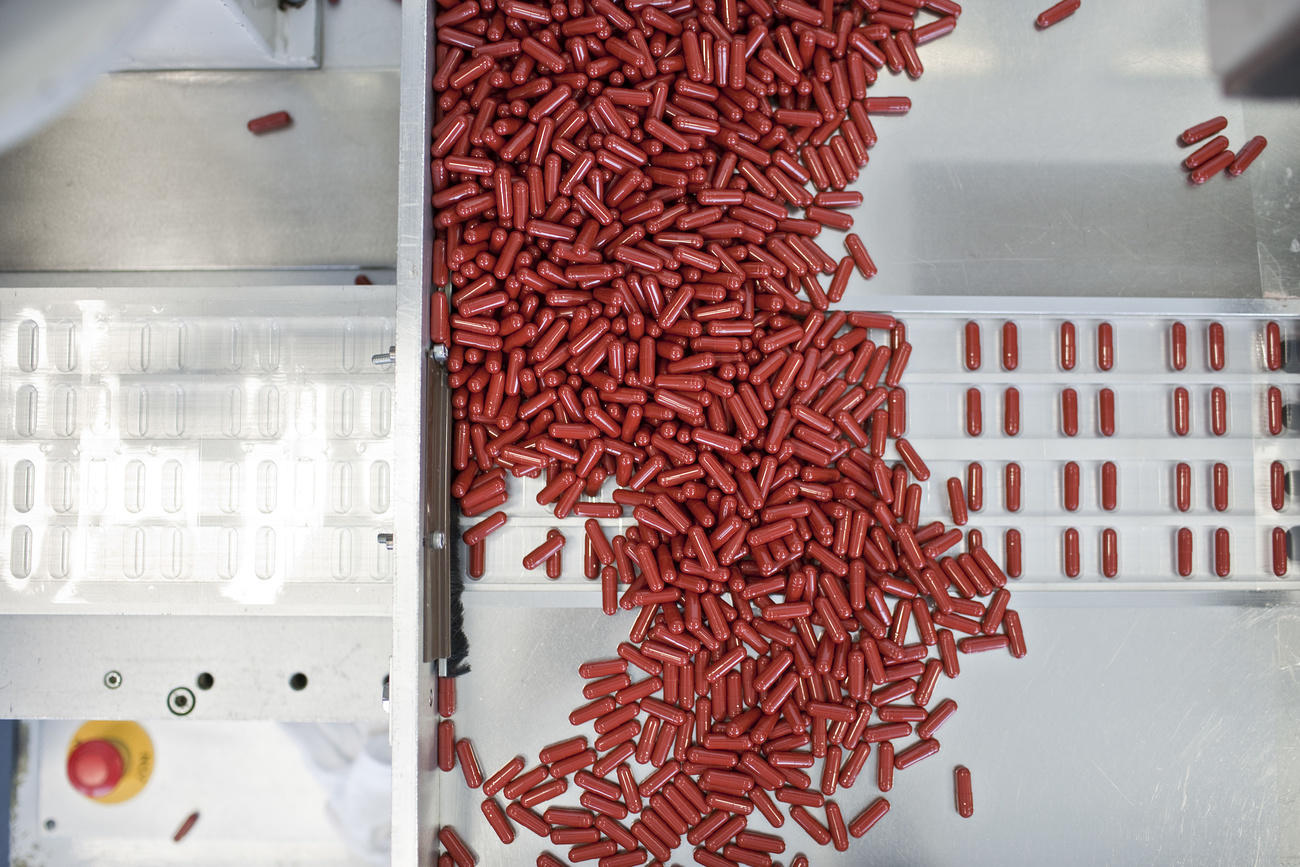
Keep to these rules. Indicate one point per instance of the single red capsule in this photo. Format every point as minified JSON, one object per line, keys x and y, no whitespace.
{"x":1109,"y":552}
{"x":1011,"y":489}
{"x":1218,"y":411}
{"x":1274,"y":410}
{"x":1068,"y":346}
{"x":1203,"y":130}
{"x":975,"y":486}
{"x":1071,"y":542}
{"x":974,"y":412}
{"x":1272,"y":346}
{"x":1070,"y":487}
{"x":972,"y":345}
{"x":1109,"y":486}
{"x":1215,"y":338}
{"x":964,"y":796}
{"x":1222,"y":552}
{"x":1178,"y":345}
{"x":1249,"y":151}
{"x":1279,"y":552}
{"x":1219,"y":476}
{"x":1011,"y":411}
{"x":1105,"y":346}
{"x":1013,"y":558}
{"x":1182,"y":411}
{"x":1183,"y":547}
{"x":1010,"y":346}
{"x":1277,"y":485}
{"x":1069,"y":412}
{"x":1182,"y":487}
{"x":1106,"y":412}
{"x":269,"y":122}
{"x":1056,"y":14}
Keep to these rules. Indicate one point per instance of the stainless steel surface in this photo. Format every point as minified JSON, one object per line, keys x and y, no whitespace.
{"x":55,"y":666}
{"x":228,"y":34}
{"x":1134,"y":732}
{"x":415,"y":798}
{"x":1045,"y":163}
{"x":157,"y":171}
{"x":437,"y":535}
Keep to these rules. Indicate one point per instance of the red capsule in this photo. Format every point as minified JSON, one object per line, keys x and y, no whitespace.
{"x":1182,"y":412}
{"x":468,"y":763}
{"x":915,"y":465}
{"x":956,"y":502}
{"x":1206,"y":152}
{"x":885,"y":757}
{"x":1279,"y":552}
{"x":1106,"y":412}
{"x":1272,"y":346}
{"x":1069,"y":412}
{"x":1249,"y":151}
{"x":1219,"y":163}
{"x":456,"y":847}
{"x":962,"y":788}
{"x":974,"y":412}
{"x":1105,"y":346}
{"x":1070,"y":487}
{"x":972,"y":334}
{"x":1219,"y":478}
{"x":1277,"y":485}
{"x":1011,"y":487}
{"x":975,"y":486}
{"x":1222,"y":553}
{"x":446,"y":745}
{"x":1274,"y":410}
{"x":1178,"y":345}
{"x":446,"y":697}
{"x":1013,"y":555}
{"x":1216,"y":346}
{"x":271,"y":122}
{"x":497,"y":819}
{"x":1011,"y":411}
{"x":1109,"y":553}
{"x":1109,"y":486}
{"x":1056,"y":14}
{"x":867,"y":819}
{"x":921,"y":749}
{"x":1068,"y":346}
{"x":1203,"y":130}
{"x":1183,"y":548}
{"x":1218,"y":411}
{"x":1010,"y":346}
{"x":1071,"y":543}
{"x":1182,"y":487}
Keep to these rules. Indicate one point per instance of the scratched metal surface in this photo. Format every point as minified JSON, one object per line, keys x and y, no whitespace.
{"x":1133,"y":733}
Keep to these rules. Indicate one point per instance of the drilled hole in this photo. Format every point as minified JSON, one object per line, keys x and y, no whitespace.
{"x":298,"y":681}
{"x":204,"y":681}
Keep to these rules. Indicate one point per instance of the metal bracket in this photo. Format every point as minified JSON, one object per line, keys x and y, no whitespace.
{"x":437,"y":513}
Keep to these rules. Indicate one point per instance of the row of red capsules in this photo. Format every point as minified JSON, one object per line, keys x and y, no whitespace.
{"x":633,"y":299}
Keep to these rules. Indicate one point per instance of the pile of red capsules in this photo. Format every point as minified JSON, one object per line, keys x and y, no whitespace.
{"x":624,"y":213}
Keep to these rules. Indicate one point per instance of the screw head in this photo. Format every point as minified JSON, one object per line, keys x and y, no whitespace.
{"x":113,"y":679}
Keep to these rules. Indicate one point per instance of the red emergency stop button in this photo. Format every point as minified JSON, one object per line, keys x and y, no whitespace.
{"x":95,"y":767}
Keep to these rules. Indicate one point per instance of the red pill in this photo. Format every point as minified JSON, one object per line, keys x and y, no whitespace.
{"x":885,"y":759}
{"x":974,"y":412}
{"x":1277,"y":485}
{"x":1222,"y":553}
{"x":1219,"y":479}
{"x":1109,"y":486}
{"x":1011,"y":411}
{"x":1279,"y":552}
{"x":1272,"y":346}
{"x":964,"y":796}
{"x":915,"y":465}
{"x":497,"y":819}
{"x":925,"y":748}
{"x":1218,"y":411}
{"x":975,"y":486}
{"x":1068,"y":346}
{"x":1206,"y":152}
{"x":1105,"y":346}
{"x":1071,"y":543}
{"x":446,"y":697}
{"x":1106,"y":412}
{"x":956,"y":502}
{"x":446,"y":745}
{"x":1178,"y":345}
{"x":269,"y":122}
{"x":1011,"y":487}
{"x":1203,"y":130}
{"x":972,"y":334}
{"x":1109,"y":552}
{"x":1069,"y":412}
{"x":867,"y":819}
{"x":1013,"y":555}
{"x":498,"y":781}
{"x":1249,"y":151}
{"x":1015,"y":633}
{"x":1219,"y":163}
{"x":554,"y":542}
{"x":1010,"y":346}
{"x":1070,"y":487}
{"x":1183,"y":546}
{"x":1056,"y":14}
{"x":456,"y":847}
{"x":468,"y":763}
{"x":1274,"y":410}
{"x":1182,"y":412}
{"x":1182,"y":487}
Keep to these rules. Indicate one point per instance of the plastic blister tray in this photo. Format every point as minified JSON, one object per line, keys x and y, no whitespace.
{"x":188,"y":453}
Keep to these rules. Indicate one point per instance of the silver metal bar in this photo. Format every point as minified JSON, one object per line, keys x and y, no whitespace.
{"x":412,"y":685}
